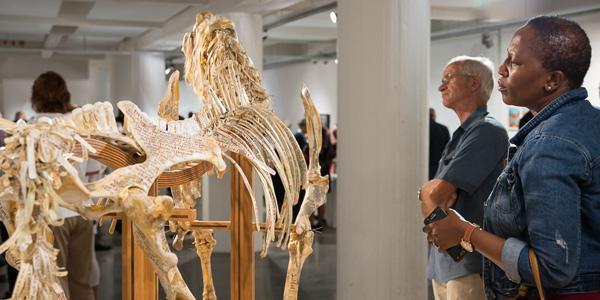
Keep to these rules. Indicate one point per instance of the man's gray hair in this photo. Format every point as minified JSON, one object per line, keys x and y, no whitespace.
{"x":479,"y":66}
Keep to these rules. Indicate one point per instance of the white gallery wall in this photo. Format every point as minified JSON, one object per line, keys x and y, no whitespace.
{"x":148,"y":81}
{"x":443,"y":50}
{"x":189,"y":101}
{"x":591,"y":24}
{"x":284,"y":83}
{"x":18,"y":71}
{"x":95,"y":80}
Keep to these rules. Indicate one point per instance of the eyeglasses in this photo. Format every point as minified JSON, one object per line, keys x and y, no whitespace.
{"x":446,"y":79}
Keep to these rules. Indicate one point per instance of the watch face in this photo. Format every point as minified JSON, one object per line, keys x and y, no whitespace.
{"x":466,"y":245}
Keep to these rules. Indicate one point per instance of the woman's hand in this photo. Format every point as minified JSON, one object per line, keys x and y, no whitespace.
{"x":448,"y":231}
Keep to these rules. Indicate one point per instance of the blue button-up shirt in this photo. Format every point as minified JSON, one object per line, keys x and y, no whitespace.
{"x":471,"y":161}
{"x":548,"y":198}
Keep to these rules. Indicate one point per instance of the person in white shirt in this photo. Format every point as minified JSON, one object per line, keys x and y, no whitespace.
{"x":75,"y":238}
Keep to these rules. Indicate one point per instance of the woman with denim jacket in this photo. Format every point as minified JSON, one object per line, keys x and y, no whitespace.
{"x":548,"y":196}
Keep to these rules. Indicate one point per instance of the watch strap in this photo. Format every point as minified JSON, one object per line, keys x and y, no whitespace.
{"x":469,"y":232}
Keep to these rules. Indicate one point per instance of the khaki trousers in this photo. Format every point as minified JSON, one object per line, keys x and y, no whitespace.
{"x":469,"y":287}
{"x":75,"y":240}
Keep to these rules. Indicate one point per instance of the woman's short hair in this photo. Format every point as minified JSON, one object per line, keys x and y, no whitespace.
{"x":49,"y":94}
{"x":563,"y":45}
{"x":478,"y":66}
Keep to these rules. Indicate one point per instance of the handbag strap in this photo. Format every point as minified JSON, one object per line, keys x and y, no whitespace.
{"x":536,"y":273}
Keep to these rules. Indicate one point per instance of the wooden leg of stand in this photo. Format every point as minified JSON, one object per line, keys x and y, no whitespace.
{"x":139,"y":278}
{"x":242,"y":252}
{"x":145,"y":284}
{"x":127,"y":245}
{"x":146,"y":287}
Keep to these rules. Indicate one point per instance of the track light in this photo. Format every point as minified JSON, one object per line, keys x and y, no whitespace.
{"x":333,"y":17}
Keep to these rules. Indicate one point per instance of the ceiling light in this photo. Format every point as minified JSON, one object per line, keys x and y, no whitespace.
{"x":335,"y":61}
{"x":333,"y":17}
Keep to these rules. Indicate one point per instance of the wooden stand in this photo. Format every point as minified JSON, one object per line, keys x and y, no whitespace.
{"x":139,"y":268}
{"x":139,"y":280}
{"x":242,"y":252}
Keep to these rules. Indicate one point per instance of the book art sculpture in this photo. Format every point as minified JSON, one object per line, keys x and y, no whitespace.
{"x":40,"y":175}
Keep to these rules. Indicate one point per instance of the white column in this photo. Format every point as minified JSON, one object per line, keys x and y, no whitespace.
{"x":249,"y":31}
{"x":120,"y":78}
{"x":382,"y":118}
{"x":99,"y":80}
{"x":139,"y":78}
{"x":3,"y":106}
{"x":149,"y":81}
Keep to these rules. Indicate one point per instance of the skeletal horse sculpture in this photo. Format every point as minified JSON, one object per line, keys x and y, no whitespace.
{"x":39,"y":175}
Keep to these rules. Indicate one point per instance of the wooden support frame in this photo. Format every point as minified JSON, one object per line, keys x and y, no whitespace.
{"x":139,"y":280}
{"x":242,"y":229}
{"x":127,"y":259}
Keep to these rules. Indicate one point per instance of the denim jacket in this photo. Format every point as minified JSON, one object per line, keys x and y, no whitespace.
{"x":548,"y":198}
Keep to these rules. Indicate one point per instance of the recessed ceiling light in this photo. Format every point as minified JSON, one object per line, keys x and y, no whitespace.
{"x":333,"y":17}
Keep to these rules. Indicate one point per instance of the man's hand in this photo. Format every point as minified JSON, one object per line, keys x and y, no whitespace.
{"x":448,"y":231}
{"x":437,"y":192}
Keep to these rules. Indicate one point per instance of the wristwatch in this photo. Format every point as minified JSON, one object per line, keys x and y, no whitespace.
{"x":466,"y":239}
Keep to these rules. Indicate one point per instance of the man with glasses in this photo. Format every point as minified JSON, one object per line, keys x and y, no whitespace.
{"x":468,"y":169}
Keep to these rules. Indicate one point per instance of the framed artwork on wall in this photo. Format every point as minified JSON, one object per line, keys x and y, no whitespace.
{"x":325,"y":119}
{"x":514,"y":116}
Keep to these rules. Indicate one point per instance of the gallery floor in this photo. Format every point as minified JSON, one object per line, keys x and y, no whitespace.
{"x":318,"y":279}
{"x":317,"y":282}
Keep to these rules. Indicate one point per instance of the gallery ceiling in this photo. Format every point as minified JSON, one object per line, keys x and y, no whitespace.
{"x":294,"y":29}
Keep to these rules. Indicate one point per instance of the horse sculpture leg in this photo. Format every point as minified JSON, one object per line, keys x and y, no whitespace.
{"x":301,"y":237}
{"x":148,"y":215}
{"x":205,"y":242}
{"x":299,"y":247}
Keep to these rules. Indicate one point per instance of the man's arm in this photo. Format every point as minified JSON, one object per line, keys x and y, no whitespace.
{"x":479,"y":153}
{"x":436,"y":192}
